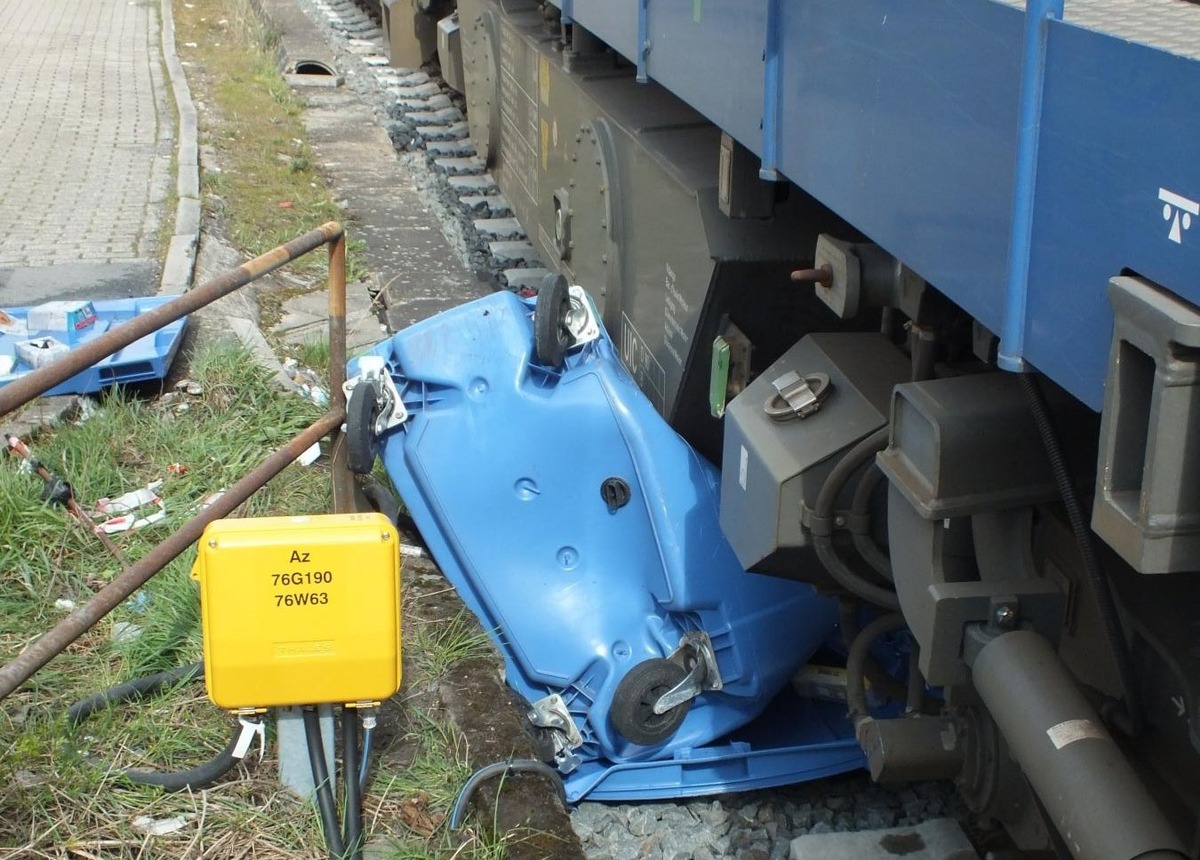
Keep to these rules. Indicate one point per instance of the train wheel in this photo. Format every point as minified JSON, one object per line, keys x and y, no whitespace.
{"x":632,"y":710}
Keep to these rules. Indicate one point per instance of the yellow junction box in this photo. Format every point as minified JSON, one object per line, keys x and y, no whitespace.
{"x":300,"y":610}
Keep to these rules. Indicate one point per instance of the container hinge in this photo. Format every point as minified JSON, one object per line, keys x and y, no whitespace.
{"x":797,"y":395}
{"x":695,"y":654}
{"x":372,"y":370}
{"x":551,"y":713}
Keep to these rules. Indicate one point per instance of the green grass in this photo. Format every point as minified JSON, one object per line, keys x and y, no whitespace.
{"x":440,"y":646}
{"x":54,"y":798}
{"x":264,"y":184}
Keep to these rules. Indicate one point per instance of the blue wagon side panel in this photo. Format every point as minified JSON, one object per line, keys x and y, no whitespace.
{"x":1119,"y":127}
{"x":710,"y":55}
{"x":908,"y":131}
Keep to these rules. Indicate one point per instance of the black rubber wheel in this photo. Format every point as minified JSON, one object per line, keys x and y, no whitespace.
{"x":551,"y":337}
{"x":361,"y":412}
{"x":632,"y":710}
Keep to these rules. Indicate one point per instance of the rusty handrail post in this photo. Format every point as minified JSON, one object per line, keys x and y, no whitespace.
{"x":84,"y":356}
{"x":18,"y":670}
{"x":343,"y":481}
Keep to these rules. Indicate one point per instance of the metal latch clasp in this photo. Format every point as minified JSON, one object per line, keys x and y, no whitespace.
{"x":797,"y":396}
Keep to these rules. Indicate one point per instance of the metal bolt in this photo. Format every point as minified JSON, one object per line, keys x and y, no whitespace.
{"x":1005,"y":616}
{"x":839,"y":521}
{"x":386,"y":536}
{"x":212,"y":542}
{"x":822,"y":276}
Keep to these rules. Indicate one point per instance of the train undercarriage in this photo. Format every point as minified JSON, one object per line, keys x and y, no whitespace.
{"x":1023,"y":506}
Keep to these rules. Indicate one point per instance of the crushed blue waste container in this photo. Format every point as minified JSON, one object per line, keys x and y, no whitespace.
{"x":583,"y":533}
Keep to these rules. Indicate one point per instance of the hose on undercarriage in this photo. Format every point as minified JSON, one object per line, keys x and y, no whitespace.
{"x":823,"y":512}
{"x":1129,"y":721}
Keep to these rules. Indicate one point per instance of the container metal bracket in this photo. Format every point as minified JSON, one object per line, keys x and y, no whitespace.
{"x":695,"y":653}
{"x":551,"y":713}
{"x":372,"y":369}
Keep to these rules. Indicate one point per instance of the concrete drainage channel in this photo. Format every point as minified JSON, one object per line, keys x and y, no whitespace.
{"x":428,"y":128}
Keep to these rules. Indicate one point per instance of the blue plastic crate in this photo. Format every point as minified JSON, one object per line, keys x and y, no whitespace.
{"x":147,"y":358}
{"x":501,"y":463}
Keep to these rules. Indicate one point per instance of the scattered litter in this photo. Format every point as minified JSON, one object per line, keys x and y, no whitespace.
{"x":36,"y":336}
{"x":12,"y":325}
{"x":189,"y":386}
{"x":28,"y":779}
{"x":211,"y":499}
{"x":139,"y":601}
{"x":71,"y":318}
{"x":148,"y":826}
{"x":20,"y":715}
{"x":64,"y":605}
{"x":40,"y":351}
{"x":310,"y":455}
{"x":412,"y":551}
{"x":176,"y":469}
{"x":124,"y":632}
{"x":286,"y":204}
{"x":121,"y":510}
{"x":308,"y":382}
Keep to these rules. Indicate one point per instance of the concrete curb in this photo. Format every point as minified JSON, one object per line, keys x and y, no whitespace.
{"x":181,"y":253}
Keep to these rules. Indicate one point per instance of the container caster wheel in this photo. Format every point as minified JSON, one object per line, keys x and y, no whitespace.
{"x":632,"y":710}
{"x":362,"y":411}
{"x":551,"y":336}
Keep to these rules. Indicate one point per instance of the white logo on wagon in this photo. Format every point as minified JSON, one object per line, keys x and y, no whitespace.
{"x":1179,"y":211}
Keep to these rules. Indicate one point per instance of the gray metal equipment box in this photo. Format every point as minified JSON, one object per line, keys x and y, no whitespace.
{"x":773,"y":468}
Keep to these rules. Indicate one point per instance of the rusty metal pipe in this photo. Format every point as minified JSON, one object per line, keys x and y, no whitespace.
{"x":43,"y":650}
{"x":84,"y":356}
{"x":343,"y":481}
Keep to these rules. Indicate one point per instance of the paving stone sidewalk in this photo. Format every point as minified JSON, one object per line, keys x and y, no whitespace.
{"x":86,"y":139}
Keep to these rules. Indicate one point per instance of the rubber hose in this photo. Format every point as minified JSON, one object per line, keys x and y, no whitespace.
{"x":520,"y":765}
{"x":365,"y":764}
{"x":386,"y":503}
{"x":1085,"y":543}
{"x":826,"y":498}
{"x":197,"y":777}
{"x":352,"y":814}
{"x":861,"y":508}
{"x":856,"y":693}
{"x":320,"y":775}
{"x":885,"y":684}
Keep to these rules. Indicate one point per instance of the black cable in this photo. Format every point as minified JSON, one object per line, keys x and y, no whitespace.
{"x":1085,"y":543}
{"x":884,"y":684}
{"x":823,"y":542}
{"x":519,"y":765}
{"x":352,"y":815}
{"x":861,"y":509}
{"x":140,"y":688}
{"x":386,"y":503}
{"x":320,"y":774}
{"x":856,"y":693}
